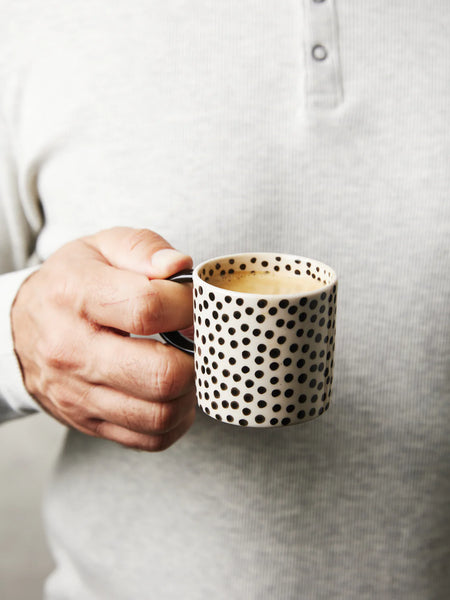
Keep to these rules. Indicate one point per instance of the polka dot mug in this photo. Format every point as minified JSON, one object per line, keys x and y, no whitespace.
{"x":262,"y":359}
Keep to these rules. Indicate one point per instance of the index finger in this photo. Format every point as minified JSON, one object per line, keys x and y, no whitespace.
{"x":133,"y":303}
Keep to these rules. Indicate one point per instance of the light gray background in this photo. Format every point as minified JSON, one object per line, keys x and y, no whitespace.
{"x":28,"y":449}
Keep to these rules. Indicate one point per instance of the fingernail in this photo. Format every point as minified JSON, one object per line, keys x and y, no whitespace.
{"x":164,"y":259}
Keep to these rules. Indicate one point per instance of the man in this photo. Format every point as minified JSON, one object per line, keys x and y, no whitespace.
{"x":316,"y":128}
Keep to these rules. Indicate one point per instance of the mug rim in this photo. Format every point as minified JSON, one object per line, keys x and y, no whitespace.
{"x":328,"y":286}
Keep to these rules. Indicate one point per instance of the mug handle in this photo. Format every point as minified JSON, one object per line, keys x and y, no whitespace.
{"x":175,"y":338}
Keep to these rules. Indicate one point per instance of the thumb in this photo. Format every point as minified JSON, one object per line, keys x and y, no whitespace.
{"x":139,"y":250}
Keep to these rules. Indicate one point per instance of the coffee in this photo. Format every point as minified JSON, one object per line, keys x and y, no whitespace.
{"x":265,"y":282}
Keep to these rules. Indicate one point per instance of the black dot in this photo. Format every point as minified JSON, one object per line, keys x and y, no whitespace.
{"x":244,"y":327}
{"x":260,"y":318}
{"x":281,"y":339}
{"x":313,"y":304}
{"x":262,"y":403}
{"x":243,"y":422}
{"x":273,"y":366}
{"x":256,"y":332}
{"x":264,"y":263}
{"x":262,"y":303}
{"x":289,"y":392}
{"x":302,"y":316}
{"x":274,"y":421}
{"x":249,"y":383}
{"x":285,"y":421}
{"x":228,"y":299}
{"x":274,"y":380}
{"x":303,"y":302}
{"x":249,"y":310}
{"x":260,"y":418}
{"x":269,"y":334}
{"x":280,"y":323}
{"x":292,"y":310}
{"x":236,"y":377}
{"x":301,"y":414}
{"x":246,"y":411}
{"x":262,"y":390}
{"x":225,"y":318}
{"x":234,"y":404}
{"x":302,"y":378}
{"x":287,"y":362}
{"x":276,"y":407}
{"x":248,"y":397}
{"x":235,"y":391}
{"x":276,"y":393}
{"x":231,"y":330}
{"x":259,"y":374}
{"x":239,"y":301}
{"x":246,"y":341}
{"x":225,"y":404}
{"x":290,"y":408}
{"x":312,"y":412}
{"x":283,"y":303}
{"x":245,"y":369}
{"x":214,"y":405}
{"x":259,"y":360}
{"x":245,"y":354}
{"x":233,"y":344}
{"x":242,"y":267}
{"x":262,"y":348}
{"x":230,"y":419}
{"x":302,"y":398}
{"x":273,"y":310}
{"x":274,"y":353}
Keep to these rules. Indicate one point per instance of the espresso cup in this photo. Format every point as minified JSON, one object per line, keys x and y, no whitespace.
{"x":264,"y":338}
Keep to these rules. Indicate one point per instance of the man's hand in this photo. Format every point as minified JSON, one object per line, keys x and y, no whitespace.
{"x":71,"y":321}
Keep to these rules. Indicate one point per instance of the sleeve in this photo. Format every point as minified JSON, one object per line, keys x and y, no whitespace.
{"x":20,"y":221}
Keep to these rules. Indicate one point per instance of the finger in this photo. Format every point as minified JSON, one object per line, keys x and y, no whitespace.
{"x":140,"y":250}
{"x":141,"y":441}
{"x":141,"y":368}
{"x":131,"y":302}
{"x":138,"y":415}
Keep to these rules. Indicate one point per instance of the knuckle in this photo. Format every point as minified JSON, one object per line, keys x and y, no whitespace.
{"x":165,"y":417}
{"x":167,"y":382}
{"x":142,"y":237}
{"x":145,"y":312}
{"x":158,"y":443}
{"x":57,"y":354}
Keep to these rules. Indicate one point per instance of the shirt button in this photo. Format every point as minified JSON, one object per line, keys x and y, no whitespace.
{"x":319,"y":52}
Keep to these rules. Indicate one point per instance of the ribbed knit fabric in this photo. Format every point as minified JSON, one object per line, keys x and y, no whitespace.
{"x":314,"y":128}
